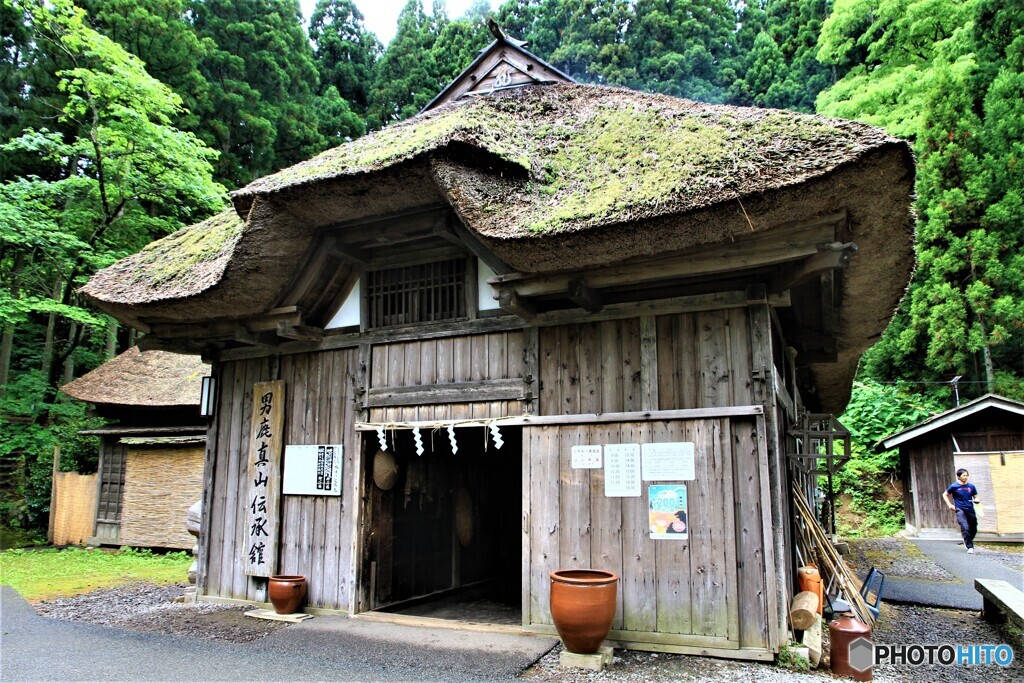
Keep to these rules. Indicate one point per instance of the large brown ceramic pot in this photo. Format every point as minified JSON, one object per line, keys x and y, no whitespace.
{"x":583,"y":606}
{"x":287,"y":593}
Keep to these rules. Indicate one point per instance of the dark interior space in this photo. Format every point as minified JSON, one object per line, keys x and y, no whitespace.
{"x":444,"y":535}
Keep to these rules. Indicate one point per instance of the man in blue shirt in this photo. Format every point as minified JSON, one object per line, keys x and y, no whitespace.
{"x":964,"y":496}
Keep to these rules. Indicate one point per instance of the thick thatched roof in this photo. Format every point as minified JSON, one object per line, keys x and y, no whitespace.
{"x":142,"y":378}
{"x":550,"y":178}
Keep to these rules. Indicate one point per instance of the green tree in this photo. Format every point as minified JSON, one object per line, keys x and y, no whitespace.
{"x":780,"y":68}
{"x":259,"y":109}
{"x":947,"y":75}
{"x":117,"y":174}
{"x":682,"y":47}
{"x":406,"y":77}
{"x":344,"y":51}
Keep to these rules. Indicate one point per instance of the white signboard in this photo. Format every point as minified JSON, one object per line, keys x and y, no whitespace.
{"x":312,"y":470}
{"x":586,"y":457}
{"x":622,"y":470}
{"x":668,"y":461}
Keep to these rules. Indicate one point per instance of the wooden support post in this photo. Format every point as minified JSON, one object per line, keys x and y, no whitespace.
{"x":51,"y":526}
{"x":531,"y":365}
{"x":649,"y":363}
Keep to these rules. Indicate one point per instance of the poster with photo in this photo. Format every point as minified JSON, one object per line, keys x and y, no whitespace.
{"x":666,"y":504}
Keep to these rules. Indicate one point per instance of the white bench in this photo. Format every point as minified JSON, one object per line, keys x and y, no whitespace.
{"x":1001,"y":600}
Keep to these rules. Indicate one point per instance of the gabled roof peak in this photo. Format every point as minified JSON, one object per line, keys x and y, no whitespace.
{"x":504,"y":64}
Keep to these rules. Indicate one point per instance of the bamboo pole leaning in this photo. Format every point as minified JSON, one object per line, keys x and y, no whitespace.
{"x":829,"y":559}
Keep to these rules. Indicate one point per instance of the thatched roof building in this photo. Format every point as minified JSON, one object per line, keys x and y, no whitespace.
{"x":142,"y":379}
{"x":547,"y":179}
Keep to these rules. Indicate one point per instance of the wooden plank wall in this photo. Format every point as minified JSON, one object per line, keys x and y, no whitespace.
{"x":316,"y":531}
{"x":707,"y":592}
{"x":447,"y":360}
{"x":933,"y":472}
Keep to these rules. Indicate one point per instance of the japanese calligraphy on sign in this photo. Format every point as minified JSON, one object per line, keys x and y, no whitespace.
{"x":264,"y":472}
{"x":312,"y":470}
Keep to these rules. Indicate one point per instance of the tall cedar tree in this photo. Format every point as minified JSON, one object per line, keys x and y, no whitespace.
{"x":780,"y":68}
{"x":406,"y":77}
{"x":960,"y":98}
{"x":259,"y":111}
{"x":345,"y":54}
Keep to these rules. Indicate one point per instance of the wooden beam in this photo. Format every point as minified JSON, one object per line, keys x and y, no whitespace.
{"x":762,"y":249}
{"x":831,"y":256}
{"x":584,"y":296}
{"x":592,"y":418}
{"x":349,"y":254}
{"x":670,"y":306}
{"x":458,"y":392}
{"x":512,"y":303}
{"x":300,"y":332}
{"x":451,"y":228}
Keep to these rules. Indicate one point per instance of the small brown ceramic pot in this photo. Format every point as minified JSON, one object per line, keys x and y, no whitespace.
{"x":583,"y":606}
{"x":286,"y":593}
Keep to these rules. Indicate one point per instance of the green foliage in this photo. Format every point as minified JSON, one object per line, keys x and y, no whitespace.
{"x":874,"y":412}
{"x":42,"y":574}
{"x":789,"y":659}
{"x":259,"y":110}
{"x":345,"y":54}
{"x":948,"y":75}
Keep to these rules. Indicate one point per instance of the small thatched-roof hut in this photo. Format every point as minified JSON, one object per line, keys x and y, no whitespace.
{"x":151,"y":455}
{"x":641,"y":297}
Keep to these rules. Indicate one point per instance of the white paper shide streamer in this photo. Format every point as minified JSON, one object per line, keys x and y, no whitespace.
{"x":496,"y":435}
{"x":381,"y":437}
{"x":418,"y":439}
{"x":451,"y":437}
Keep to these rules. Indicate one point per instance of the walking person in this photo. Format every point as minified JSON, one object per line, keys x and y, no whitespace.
{"x":961,"y":497}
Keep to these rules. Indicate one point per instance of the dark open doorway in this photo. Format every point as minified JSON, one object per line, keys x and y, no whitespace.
{"x":442,"y":532}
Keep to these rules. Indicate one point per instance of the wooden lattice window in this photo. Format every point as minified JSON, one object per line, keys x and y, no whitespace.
{"x":416,"y":294}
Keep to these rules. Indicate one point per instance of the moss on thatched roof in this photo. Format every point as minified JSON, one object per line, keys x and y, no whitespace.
{"x":182,"y":264}
{"x":137,"y":378}
{"x":596,"y":156}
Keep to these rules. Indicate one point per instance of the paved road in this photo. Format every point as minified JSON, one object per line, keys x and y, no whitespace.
{"x":35,"y":648}
{"x":959,"y":594}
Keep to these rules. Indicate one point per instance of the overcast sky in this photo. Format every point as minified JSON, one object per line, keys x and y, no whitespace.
{"x":382,"y":15}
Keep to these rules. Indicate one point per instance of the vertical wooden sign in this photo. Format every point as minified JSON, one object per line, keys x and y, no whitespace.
{"x":264,"y":482}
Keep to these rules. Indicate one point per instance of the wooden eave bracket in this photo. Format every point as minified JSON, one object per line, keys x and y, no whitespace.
{"x":512,"y":303}
{"x":451,"y":228}
{"x":584,"y":296}
{"x":834,"y":256}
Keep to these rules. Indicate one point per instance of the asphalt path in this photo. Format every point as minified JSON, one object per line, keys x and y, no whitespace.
{"x":959,"y":594}
{"x":37,"y":648}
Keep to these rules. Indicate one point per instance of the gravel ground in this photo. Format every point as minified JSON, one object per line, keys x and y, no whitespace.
{"x":896,"y":556}
{"x":148,"y":608}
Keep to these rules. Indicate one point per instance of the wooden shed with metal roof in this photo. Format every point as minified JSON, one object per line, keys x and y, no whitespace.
{"x":984,"y":436}
{"x":497,"y":339}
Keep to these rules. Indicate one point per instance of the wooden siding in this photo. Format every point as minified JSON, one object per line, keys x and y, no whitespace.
{"x":160,"y":486}
{"x":696,"y":360}
{"x":470,"y":360}
{"x":932,"y":462}
{"x":710,"y":591}
{"x":704,"y":360}
{"x":316,"y":531}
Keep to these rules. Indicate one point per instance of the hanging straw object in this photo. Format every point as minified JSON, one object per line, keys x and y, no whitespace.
{"x":385,"y":470}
